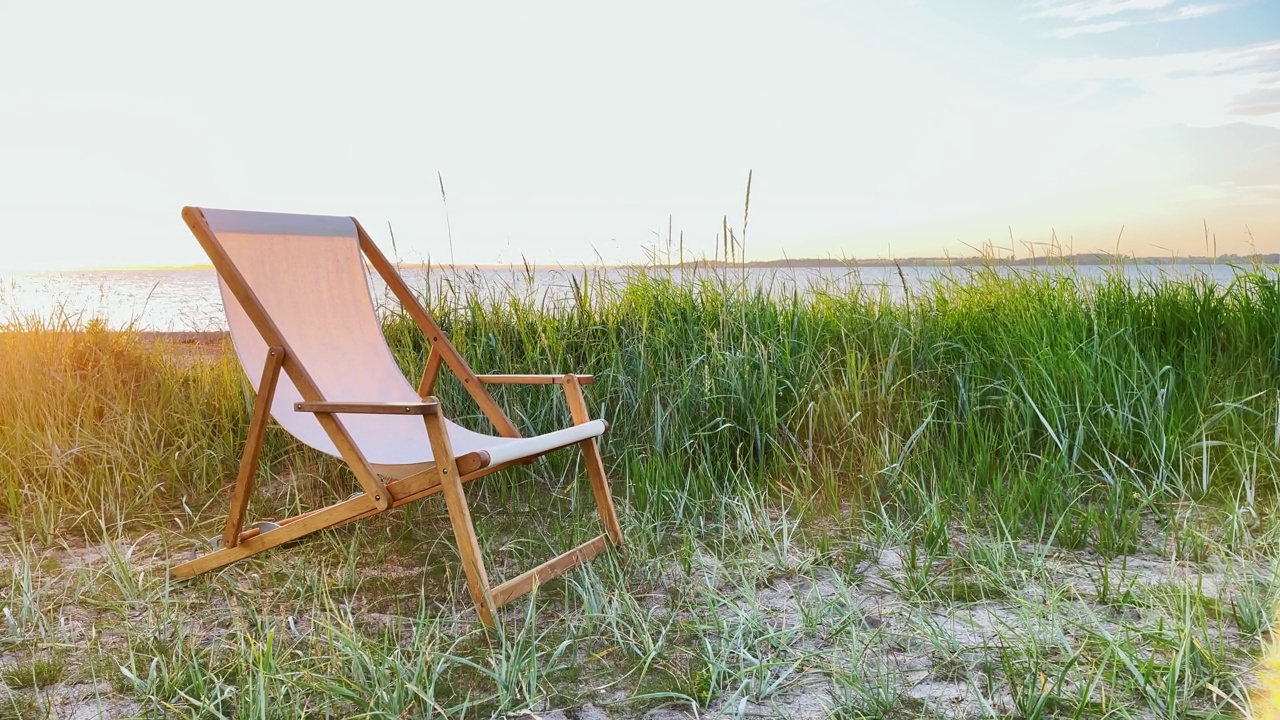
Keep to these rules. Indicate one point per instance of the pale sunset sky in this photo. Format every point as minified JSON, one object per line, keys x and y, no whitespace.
{"x":567,"y":132}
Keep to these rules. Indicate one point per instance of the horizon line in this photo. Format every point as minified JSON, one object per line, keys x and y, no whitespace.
{"x":1098,"y":257}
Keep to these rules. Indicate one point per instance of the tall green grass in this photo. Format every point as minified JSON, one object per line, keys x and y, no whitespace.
{"x":1040,"y":401}
{"x":1063,"y":408}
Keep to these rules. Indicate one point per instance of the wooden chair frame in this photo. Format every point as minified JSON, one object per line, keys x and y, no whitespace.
{"x":448,"y":473}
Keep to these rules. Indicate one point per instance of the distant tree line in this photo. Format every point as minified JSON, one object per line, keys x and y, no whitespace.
{"x":1074,"y":259}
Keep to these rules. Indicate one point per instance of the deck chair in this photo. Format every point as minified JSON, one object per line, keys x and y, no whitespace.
{"x":298,"y":301}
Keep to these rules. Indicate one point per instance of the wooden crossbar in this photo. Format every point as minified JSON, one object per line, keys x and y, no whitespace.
{"x":531,"y":379}
{"x":252,"y":542}
{"x":369,"y":408}
{"x":556,"y":566}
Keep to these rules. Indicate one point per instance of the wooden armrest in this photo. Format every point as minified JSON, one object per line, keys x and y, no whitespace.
{"x":370,"y":408}
{"x":531,"y":379}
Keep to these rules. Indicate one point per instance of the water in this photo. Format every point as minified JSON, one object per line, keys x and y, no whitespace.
{"x":188,"y":299}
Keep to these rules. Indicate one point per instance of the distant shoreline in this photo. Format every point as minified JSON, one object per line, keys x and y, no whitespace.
{"x":1078,"y":259}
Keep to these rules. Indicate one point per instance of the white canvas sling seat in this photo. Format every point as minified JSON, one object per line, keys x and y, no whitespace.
{"x":309,"y":275}
{"x":302,"y":320}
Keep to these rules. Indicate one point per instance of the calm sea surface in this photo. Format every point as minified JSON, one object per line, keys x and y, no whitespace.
{"x":182,"y":300}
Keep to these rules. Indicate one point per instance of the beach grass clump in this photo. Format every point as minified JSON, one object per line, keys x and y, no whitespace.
{"x":100,"y":429}
{"x":105,"y":429}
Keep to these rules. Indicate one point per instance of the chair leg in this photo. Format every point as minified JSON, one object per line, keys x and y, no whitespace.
{"x":464,"y":532}
{"x":595,"y":465}
{"x":600,"y":488}
{"x":253,"y":447}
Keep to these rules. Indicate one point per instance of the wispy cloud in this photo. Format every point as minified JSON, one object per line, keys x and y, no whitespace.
{"x":1259,"y":59}
{"x":1207,"y":87}
{"x":1258,"y":103}
{"x":1092,"y":28}
{"x":1260,"y":110}
{"x":1079,"y":17}
{"x":1202,"y":88}
{"x":1085,"y":10}
{"x":1190,"y":12}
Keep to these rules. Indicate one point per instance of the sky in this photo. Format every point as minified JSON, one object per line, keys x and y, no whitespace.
{"x":571,"y":132}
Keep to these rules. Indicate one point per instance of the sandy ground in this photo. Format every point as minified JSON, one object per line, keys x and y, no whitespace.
{"x":933,"y":658}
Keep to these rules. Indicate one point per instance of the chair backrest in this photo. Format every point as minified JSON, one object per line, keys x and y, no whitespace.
{"x":308,"y":274}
